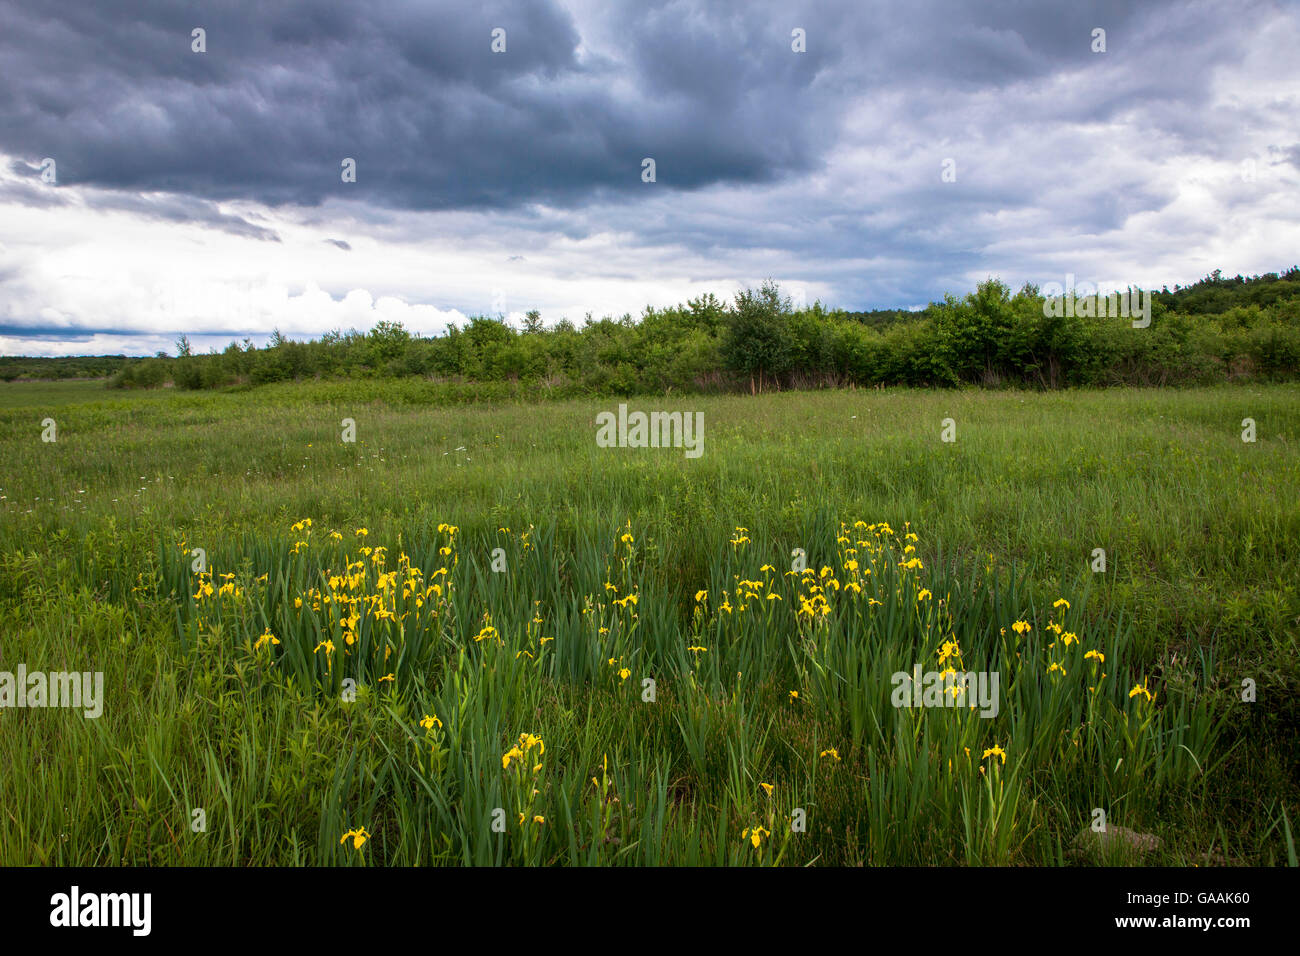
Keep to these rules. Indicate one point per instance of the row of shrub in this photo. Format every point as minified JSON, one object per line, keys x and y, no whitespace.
{"x":759,"y":342}
{"x":22,"y":367}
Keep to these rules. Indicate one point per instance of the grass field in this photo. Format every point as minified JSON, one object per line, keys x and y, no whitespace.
{"x":653,"y":678}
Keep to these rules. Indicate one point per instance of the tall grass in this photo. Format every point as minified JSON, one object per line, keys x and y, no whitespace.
{"x":1200,"y":531}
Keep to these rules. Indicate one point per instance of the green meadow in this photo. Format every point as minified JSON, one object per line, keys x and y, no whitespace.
{"x":472,"y":636}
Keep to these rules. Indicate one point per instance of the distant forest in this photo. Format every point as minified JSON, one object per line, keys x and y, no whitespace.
{"x":1218,"y":329}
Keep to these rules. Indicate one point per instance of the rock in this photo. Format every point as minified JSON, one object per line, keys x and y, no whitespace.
{"x":1115,"y":839}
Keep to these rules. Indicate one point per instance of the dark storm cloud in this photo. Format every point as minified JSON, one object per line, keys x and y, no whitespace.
{"x":435,"y":120}
{"x":412,"y":91}
{"x":28,"y":195}
{"x":163,"y":207}
{"x":173,"y":208}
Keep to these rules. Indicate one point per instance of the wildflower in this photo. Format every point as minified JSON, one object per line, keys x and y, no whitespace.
{"x":1069,"y":638}
{"x":1141,"y":689}
{"x":701,"y":596}
{"x":362,"y":532}
{"x":756,"y":835}
{"x":1056,"y":667}
{"x":1096,"y":655}
{"x":387,"y":677}
{"x":514,"y":753}
{"x":429,"y":721}
{"x":1062,"y":602}
{"x":794,"y":695}
{"x":922,"y":594}
{"x":624,"y":673}
{"x":832,"y":753}
{"x":767,"y":787}
{"x":627,"y":539}
{"x":359,"y":837}
{"x":1021,"y":627}
{"x":995,"y":751}
{"x":268,"y":636}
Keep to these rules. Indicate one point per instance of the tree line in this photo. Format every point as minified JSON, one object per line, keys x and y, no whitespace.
{"x":1218,"y":329}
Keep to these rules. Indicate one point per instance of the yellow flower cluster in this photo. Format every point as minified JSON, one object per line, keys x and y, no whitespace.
{"x":521,"y":750}
{"x":227,"y":589}
{"x":1067,"y":640}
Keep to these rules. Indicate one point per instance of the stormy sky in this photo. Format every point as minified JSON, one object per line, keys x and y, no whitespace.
{"x":864,"y":154}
